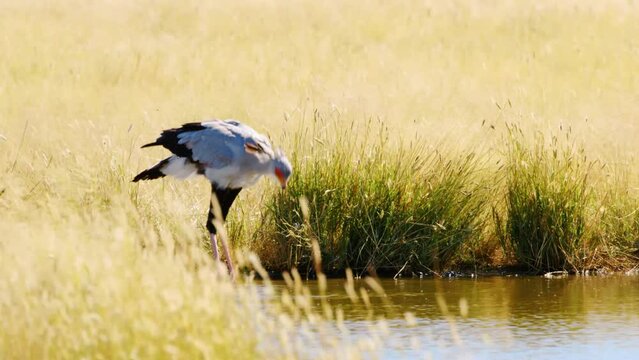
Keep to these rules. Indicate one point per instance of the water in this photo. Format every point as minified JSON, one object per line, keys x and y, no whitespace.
{"x":499,"y":317}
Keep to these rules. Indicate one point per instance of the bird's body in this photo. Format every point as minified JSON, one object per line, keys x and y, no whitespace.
{"x":229,"y":154}
{"x":219,"y":150}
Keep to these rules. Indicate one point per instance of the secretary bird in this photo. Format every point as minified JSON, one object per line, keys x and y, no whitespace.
{"x":229,"y":154}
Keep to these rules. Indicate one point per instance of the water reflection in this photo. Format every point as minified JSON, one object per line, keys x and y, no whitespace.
{"x":574,"y":317}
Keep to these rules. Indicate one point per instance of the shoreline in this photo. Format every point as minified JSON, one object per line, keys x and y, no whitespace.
{"x":465,"y":273}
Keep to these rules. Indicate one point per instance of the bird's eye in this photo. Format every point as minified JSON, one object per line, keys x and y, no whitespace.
{"x":253,"y":148}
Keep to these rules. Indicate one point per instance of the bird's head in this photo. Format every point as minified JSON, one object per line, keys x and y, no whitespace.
{"x":282,"y":168}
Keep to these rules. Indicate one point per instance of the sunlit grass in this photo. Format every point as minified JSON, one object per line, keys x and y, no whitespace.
{"x":123,"y":281}
{"x":92,"y":265}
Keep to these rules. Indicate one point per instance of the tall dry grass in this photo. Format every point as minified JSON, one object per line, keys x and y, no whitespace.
{"x":94,"y":265}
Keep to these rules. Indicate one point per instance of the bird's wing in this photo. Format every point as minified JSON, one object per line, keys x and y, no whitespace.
{"x":211,"y":147}
{"x":215,"y":145}
{"x":220,"y":144}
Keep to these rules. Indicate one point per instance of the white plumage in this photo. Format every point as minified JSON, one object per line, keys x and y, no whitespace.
{"x":179,"y":167}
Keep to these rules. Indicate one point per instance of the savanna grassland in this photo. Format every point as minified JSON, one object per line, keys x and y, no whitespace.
{"x":424,"y":136}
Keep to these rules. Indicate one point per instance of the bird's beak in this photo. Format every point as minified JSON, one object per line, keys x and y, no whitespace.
{"x":281,"y":178}
{"x":282,"y":182}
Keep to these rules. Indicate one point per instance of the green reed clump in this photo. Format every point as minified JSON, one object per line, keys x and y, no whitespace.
{"x":546,"y":204}
{"x":620,"y":237}
{"x":617,"y":227}
{"x":372,"y":207}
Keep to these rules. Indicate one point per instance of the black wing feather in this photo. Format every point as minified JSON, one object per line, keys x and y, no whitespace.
{"x":154,"y":172}
{"x":169,"y":139}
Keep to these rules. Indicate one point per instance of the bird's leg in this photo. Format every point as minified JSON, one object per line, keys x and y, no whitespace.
{"x":210,"y":226}
{"x":227,"y":256}
{"x":221,"y":201}
{"x":216,"y":253}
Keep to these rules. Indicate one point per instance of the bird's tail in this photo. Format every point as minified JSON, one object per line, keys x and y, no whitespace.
{"x":154,"y":172}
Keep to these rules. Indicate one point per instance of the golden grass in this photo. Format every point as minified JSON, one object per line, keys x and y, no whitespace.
{"x":84,"y":83}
